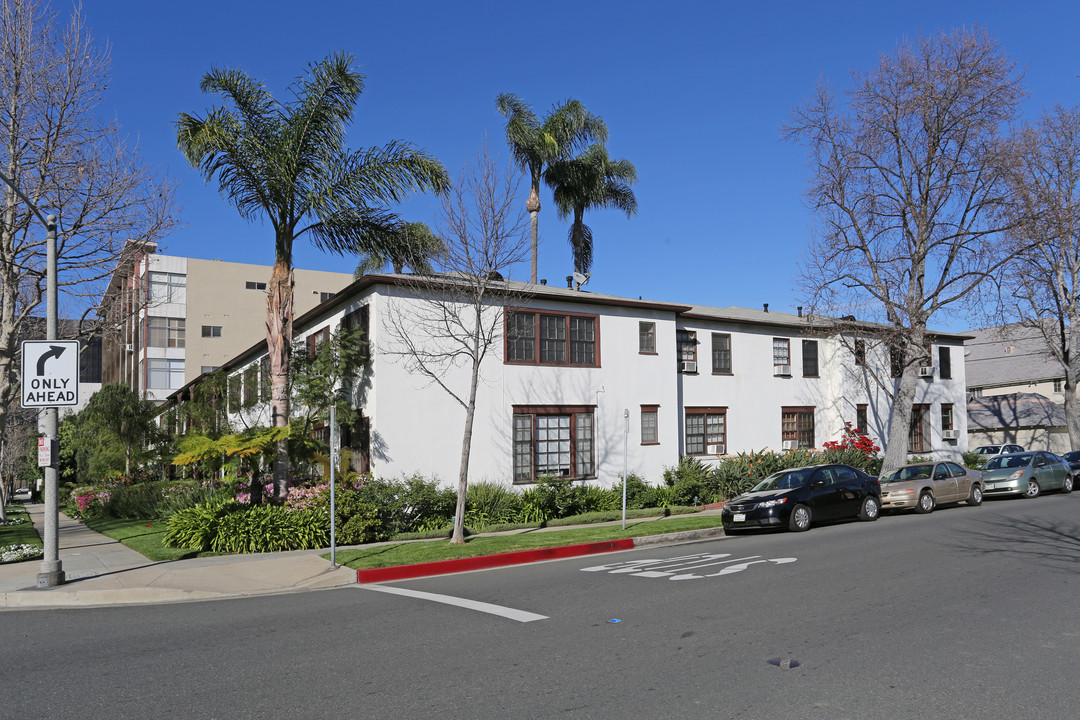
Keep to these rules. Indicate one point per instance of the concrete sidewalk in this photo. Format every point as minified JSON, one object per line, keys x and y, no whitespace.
{"x":103,"y":571}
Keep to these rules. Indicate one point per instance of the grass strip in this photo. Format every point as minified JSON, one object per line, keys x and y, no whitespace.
{"x":144,"y":537}
{"x":410,"y":553}
{"x":21,"y":534}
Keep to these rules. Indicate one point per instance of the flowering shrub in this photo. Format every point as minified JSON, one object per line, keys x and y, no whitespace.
{"x":13,"y":521}
{"x":854,"y":439}
{"x":86,"y":502}
{"x":15,"y":553}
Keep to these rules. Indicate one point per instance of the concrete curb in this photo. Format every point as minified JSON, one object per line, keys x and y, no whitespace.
{"x":483,"y":562}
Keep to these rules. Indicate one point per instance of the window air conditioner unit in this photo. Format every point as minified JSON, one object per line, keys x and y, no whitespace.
{"x":948,"y":434}
{"x":129,"y":347}
{"x":688,"y":366}
{"x":779,"y":370}
{"x":791,"y":444}
{"x":716,"y":448}
{"x":926,"y":371}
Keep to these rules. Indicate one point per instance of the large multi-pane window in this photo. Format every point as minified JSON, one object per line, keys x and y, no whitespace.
{"x":165,"y":332}
{"x":541,"y":338}
{"x":167,"y":287}
{"x":164,"y":373}
{"x":705,"y":429}
{"x":781,"y":356}
{"x":946,"y":416}
{"x":797,"y":427}
{"x":919,"y":436}
{"x":721,"y":353}
{"x":359,"y":320}
{"x":555,"y":441}
{"x":809,"y":358}
{"x":686,"y":347}
{"x":650,"y":427}
{"x":647,"y":338}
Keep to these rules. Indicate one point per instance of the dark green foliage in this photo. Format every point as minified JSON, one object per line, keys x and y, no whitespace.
{"x":403,"y":505}
{"x":975,"y":461}
{"x":268,"y":528}
{"x":357,"y":521}
{"x":491,"y":504}
{"x":197,"y":527}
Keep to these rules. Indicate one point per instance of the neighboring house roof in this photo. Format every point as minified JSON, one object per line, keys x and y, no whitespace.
{"x":1015,"y":410}
{"x":1008,"y":355}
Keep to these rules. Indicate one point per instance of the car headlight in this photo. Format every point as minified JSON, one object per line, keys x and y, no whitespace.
{"x":772,"y":503}
{"x":1017,"y":475}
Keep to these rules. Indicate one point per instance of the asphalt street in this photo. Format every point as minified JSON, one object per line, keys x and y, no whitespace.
{"x":963,"y":613}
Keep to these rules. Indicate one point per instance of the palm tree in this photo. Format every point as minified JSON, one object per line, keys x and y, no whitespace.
{"x":288,"y":163}
{"x":411,"y":244}
{"x":535,"y":144}
{"x":590,"y":180}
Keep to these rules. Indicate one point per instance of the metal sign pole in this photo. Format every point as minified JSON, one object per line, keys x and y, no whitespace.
{"x":52,"y":572}
{"x":625,"y":452}
{"x":333,"y":505}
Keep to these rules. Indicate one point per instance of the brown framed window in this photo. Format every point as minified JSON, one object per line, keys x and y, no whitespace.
{"x":211,"y":331}
{"x":947,"y":416}
{"x":721,"y":353}
{"x":165,"y":332}
{"x":315,"y":340}
{"x":264,"y":379}
{"x":543,"y":338}
{"x":797,"y":427}
{"x":553,"y":441}
{"x":251,"y":386}
{"x":360,"y":319}
{"x":647,"y":338}
{"x":705,"y":431}
{"x":809,"y":358}
{"x":944,"y":363}
{"x":686,"y":349}
{"x":860,"y":418}
{"x":235,"y":385}
{"x":650,"y":428}
{"x":919,"y":436}
{"x":860,"y":351}
{"x":781,"y":356}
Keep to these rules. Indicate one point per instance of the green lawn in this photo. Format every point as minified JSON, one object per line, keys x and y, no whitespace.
{"x":409,"y":553}
{"x":23,"y":533}
{"x":142,"y":536}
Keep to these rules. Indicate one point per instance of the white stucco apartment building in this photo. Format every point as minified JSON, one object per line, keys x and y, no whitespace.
{"x":574,"y":369}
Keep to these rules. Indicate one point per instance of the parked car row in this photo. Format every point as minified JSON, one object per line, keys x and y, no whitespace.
{"x":798,"y":497}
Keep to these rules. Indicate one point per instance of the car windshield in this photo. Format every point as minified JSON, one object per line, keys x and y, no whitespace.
{"x":1009,"y":461}
{"x":988,"y":450}
{"x":912,"y":472}
{"x":784,"y":480}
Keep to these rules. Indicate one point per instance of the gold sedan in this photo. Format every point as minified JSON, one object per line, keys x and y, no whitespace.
{"x":923,"y":486}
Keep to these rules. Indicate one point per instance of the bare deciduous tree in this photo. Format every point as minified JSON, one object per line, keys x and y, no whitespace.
{"x":56,"y":153}
{"x":446,"y":324}
{"x":908,"y":186}
{"x":1044,"y":282}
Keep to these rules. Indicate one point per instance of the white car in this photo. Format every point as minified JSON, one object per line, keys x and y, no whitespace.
{"x":21,"y":494}
{"x":990,"y":450}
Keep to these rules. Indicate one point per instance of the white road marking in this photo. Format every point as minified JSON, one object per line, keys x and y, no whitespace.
{"x":676,"y":568}
{"x":733,"y":569}
{"x":509,"y":613}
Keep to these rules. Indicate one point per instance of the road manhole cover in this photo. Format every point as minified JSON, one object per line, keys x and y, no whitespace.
{"x":785,"y":663}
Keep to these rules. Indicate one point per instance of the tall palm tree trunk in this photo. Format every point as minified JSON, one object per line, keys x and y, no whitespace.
{"x":279,"y":314}
{"x":533,"y":206}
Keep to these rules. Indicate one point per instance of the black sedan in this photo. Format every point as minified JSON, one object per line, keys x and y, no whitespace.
{"x":1073,"y":458}
{"x":795,"y":498}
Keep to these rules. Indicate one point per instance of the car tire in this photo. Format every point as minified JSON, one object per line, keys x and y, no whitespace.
{"x":1033,"y":489}
{"x":870,"y":508}
{"x":799,"y":520}
{"x":976,"y":497}
{"x":925,"y":503}
{"x":1067,"y":487}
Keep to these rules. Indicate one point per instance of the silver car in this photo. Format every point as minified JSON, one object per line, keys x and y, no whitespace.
{"x":923,"y":486}
{"x":1027,"y":474}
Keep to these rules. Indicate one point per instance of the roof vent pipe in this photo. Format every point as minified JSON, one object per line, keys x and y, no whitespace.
{"x":800,"y":311}
{"x":570,"y":281}
{"x":766,"y":307}
{"x":543,"y":281}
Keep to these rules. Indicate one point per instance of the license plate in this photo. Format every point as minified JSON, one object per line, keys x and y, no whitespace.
{"x":740,"y":517}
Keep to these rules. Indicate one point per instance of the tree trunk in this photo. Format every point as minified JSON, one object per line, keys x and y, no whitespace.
{"x":896,"y":448}
{"x":533,"y":206}
{"x":279,"y":303}
{"x":1072,"y":409}
{"x":458,"y":538}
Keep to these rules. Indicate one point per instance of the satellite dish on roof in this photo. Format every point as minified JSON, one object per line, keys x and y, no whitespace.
{"x":580,"y":279}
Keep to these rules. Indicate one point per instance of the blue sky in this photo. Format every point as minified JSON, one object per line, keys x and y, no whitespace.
{"x":693,"y":94}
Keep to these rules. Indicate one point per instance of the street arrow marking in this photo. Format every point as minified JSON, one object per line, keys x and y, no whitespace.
{"x":54,"y":351}
{"x":733,"y":569}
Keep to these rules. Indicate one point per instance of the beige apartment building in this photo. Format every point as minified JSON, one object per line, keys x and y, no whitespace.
{"x":170,"y":319}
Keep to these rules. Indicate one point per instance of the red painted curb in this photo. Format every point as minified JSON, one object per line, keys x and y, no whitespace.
{"x":440,"y":567}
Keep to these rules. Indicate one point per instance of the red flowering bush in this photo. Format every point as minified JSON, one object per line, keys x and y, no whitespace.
{"x":854,"y":439}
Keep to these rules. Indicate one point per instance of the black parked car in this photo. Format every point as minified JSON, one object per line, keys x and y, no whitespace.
{"x":795,"y":498}
{"x":1073,"y":458}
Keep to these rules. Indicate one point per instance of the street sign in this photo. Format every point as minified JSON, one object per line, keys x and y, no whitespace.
{"x":46,"y":452}
{"x":50,"y":373}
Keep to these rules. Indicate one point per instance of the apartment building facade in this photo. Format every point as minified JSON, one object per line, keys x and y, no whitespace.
{"x":578,"y":379}
{"x":169,"y":318}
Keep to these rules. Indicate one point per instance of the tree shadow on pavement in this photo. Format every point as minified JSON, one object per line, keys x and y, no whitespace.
{"x":1054,"y":544}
